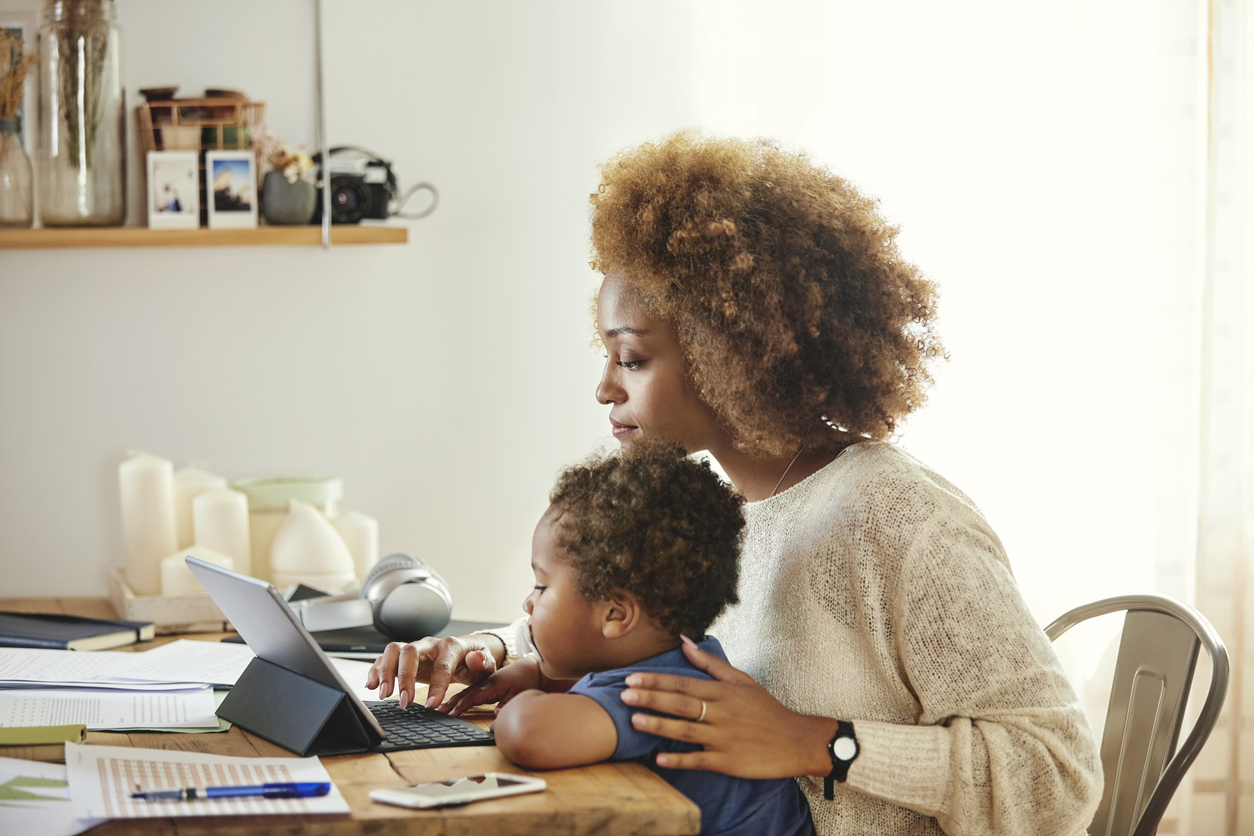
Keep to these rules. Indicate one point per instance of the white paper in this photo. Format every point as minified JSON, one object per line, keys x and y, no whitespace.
{"x":101,"y":710}
{"x":215,"y":663}
{"x":23,"y":666}
{"x":35,"y":798}
{"x":354,"y":673}
{"x":102,"y":779}
{"x":27,"y":664}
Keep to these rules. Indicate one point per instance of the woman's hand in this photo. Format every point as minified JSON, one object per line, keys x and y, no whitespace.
{"x":437,"y":662}
{"x":745,"y":732}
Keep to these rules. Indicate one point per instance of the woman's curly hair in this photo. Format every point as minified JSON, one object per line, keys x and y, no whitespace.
{"x":662,"y":526}
{"x":796,"y":311}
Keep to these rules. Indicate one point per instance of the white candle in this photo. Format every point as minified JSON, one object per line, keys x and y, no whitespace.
{"x":220,"y":522}
{"x":148,"y":532}
{"x":361,"y":535}
{"x":189,"y":483}
{"x":307,"y":549}
{"x":177,"y":579}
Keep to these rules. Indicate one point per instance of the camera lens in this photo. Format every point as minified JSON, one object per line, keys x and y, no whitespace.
{"x":350,"y":200}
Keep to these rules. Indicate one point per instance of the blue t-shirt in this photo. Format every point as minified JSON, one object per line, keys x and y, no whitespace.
{"x":729,"y":806}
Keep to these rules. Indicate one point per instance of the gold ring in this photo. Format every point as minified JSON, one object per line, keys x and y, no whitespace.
{"x":702,"y":717}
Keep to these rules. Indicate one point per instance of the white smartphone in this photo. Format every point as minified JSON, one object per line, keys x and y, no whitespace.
{"x":459,"y":790}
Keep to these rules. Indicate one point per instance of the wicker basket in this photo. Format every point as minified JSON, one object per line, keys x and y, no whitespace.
{"x":217,"y":124}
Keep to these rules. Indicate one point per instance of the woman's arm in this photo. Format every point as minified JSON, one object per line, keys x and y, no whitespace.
{"x":551,"y":731}
{"x":1000,"y":744}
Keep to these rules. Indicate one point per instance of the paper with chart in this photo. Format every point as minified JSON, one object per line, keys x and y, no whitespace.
{"x":35,"y":798}
{"x":102,"y":779}
{"x":100,"y":710}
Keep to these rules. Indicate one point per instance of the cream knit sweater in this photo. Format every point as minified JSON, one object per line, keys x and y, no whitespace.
{"x":874,"y":591}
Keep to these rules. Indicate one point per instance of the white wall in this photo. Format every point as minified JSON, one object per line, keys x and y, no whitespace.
{"x":1025,"y":153}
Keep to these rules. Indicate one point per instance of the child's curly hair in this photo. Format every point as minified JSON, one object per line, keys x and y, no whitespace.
{"x":793,"y":305}
{"x":662,"y":526}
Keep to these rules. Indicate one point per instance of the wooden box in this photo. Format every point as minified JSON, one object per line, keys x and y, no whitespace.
{"x":198,"y":124}
{"x":170,"y":614}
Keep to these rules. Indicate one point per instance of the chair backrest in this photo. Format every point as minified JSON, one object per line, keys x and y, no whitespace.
{"x":1154,"y":671}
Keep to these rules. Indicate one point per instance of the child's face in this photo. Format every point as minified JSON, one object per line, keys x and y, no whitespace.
{"x":565,"y":627}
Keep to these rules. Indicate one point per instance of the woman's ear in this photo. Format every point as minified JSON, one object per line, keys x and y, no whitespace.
{"x":621,"y":615}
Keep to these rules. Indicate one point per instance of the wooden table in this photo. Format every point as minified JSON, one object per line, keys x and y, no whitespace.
{"x":608,"y":798}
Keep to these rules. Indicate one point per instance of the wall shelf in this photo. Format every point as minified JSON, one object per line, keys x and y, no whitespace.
{"x":264,"y":236}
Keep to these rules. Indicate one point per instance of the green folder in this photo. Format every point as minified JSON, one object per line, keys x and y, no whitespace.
{"x":38,"y":735}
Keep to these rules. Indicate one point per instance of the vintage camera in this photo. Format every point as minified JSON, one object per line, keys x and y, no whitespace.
{"x":362,"y":185}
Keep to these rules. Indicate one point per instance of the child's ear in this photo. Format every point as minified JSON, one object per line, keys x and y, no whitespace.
{"x":622,"y":614}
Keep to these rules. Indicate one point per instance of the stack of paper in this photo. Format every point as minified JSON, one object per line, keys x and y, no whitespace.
{"x":164,"y":689}
{"x":168,"y":688}
{"x":177,"y":665}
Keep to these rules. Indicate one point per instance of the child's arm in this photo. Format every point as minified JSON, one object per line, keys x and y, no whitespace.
{"x":550,"y":731}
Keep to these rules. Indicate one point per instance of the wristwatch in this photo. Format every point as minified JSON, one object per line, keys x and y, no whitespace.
{"x":843,"y":748}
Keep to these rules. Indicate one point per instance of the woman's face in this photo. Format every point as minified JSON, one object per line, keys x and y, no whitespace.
{"x":645,"y":382}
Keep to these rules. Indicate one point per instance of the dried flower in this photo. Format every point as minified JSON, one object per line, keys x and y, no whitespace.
{"x":15,"y":62}
{"x":277,"y":155}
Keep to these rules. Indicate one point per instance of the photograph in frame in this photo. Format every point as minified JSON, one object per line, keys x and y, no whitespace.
{"x":231,"y":189}
{"x":173,"y":190}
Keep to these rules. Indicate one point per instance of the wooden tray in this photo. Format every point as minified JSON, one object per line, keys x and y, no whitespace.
{"x":170,"y":613}
{"x":198,"y":124}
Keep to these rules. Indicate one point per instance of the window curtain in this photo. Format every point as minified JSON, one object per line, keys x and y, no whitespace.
{"x":1223,"y":781}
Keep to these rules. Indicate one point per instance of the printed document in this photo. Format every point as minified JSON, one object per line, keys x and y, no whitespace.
{"x":102,"y":779}
{"x":112,"y":710}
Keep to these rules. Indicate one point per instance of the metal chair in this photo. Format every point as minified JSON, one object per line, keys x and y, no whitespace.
{"x":1157,"y":655}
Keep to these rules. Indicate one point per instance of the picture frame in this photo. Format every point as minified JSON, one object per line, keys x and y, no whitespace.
{"x":173,"y":188}
{"x":231,"y":189}
{"x":26,"y":26}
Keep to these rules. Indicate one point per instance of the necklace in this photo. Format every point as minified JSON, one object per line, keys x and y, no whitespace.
{"x":785,"y":473}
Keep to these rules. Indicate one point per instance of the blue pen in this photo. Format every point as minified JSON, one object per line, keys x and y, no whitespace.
{"x":298,"y":790}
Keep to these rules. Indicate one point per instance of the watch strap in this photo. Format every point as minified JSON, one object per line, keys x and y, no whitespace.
{"x":840,"y":768}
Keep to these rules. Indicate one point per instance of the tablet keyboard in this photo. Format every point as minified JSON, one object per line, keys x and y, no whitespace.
{"x":418,"y":727}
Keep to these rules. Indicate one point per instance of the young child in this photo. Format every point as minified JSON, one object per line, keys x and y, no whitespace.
{"x":633,"y":553}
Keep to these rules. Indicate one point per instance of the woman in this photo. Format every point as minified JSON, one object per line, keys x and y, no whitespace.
{"x":755,"y":306}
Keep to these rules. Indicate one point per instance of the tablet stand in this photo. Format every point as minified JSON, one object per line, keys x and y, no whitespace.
{"x":295,"y":712}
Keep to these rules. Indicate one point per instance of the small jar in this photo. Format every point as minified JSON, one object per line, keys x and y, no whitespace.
{"x":82,"y":158}
{"x":268,"y":505}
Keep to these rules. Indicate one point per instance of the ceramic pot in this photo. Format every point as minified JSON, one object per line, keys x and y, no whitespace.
{"x":287,"y":203}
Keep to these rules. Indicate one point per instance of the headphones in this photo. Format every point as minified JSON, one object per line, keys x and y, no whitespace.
{"x":403,"y":598}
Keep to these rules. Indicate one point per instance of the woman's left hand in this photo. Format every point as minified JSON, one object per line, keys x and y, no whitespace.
{"x":745,"y":731}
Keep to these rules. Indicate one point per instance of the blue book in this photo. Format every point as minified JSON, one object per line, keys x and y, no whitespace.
{"x":68,"y":632}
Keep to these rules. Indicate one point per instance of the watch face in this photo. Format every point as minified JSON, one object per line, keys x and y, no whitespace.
{"x":844,"y":748}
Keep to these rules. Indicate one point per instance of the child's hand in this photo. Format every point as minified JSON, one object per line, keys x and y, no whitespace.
{"x":500,"y":687}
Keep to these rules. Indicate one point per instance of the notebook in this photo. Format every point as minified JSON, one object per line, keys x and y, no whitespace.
{"x":273,"y":632}
{"x":69,"y":632}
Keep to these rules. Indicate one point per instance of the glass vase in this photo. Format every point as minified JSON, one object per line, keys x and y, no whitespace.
{"x":82,"y":171}
{"x":17,"y":188}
